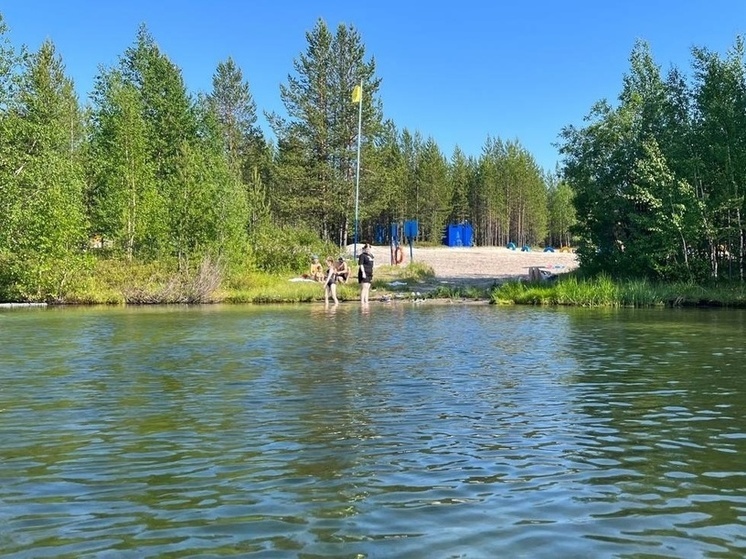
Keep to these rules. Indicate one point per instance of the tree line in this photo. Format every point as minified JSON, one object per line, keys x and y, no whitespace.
{"x":144,"y":170}
{"x":659,"y":179}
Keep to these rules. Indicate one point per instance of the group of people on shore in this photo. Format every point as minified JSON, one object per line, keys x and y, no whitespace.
{"x":339,"y":272}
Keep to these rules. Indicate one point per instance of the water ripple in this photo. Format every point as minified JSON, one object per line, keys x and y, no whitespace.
{"x":402,"y":432}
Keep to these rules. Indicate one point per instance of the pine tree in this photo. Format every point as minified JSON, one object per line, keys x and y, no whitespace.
{"x":322,"y":128}
{"x":235,"y":110}
{"x":461,"y":176}
{"x":246,"y":151}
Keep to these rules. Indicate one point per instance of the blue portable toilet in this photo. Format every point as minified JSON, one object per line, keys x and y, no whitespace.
{"x":453,"y":236}
{"x":467,"y":233}
{"x":458,"y":235}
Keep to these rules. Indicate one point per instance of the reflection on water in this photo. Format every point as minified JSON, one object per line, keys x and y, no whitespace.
{"x":392,"y":431}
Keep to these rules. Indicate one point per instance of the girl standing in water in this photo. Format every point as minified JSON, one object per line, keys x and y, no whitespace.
{"x":330,"y":287}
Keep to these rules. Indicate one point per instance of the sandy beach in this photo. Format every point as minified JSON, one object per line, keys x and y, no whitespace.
{"x":459,"y":264}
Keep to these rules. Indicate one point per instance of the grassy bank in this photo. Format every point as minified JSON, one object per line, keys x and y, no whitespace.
{"x":262,"y":288}
{"x":121,"y":282}
{"x":604,"y":292}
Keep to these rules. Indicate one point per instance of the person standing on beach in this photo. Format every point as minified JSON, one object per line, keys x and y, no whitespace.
{"x":330,"y":287}
{"x":365,"y":273}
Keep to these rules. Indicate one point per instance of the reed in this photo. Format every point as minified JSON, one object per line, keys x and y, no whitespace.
{"x":520,"y":293}
{"x":642,"y":293}
{"x":459,"y":292}
{"x":603,"y":291}
{"x":596,"y":292}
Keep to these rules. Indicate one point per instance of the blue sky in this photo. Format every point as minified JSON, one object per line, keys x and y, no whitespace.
{"x":458,"y":72}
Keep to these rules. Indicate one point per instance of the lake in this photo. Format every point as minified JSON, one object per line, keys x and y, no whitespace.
{"x":403,"y":430}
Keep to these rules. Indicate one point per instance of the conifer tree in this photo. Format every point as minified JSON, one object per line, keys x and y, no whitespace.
{"x":234,"y":108}
{"x":321,"y":129}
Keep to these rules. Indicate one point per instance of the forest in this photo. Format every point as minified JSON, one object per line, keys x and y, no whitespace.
{"x":146,"y":172}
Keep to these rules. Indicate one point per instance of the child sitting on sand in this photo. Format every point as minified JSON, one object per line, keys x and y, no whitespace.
{"x":317,"y":272}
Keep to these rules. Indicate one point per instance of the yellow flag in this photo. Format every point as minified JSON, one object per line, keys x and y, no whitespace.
{"x":357,"y":94}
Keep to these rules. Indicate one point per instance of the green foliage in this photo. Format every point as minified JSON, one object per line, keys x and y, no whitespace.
{"x":658,"y":179}
{"x":229,"y":116}
{"x":432,"y":192}
{"x":163,"y":181}
{"x":461,"y":176}
{"x":383,"y":194}
{"x":562,"y":215}
{"x":417,"y":271}
{"x":35,"y":277}
{"x":317,"y":145}
{"x":234,"y":109}
{"x":125,"y":204}
{"x":602,"y":291}
{"x":509,"y":196}
{"x":167,"y":107}
{"x":206,"y":206}
{"x":41,"y":184}
{"x":275,"y":249}
{"x":459,"y":292}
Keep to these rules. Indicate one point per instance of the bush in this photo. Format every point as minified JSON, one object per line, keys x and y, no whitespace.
{"x":184,"y":286}
{"x":417,"y":271}
{"x":34,"y":277}
{"x":277,"y":250}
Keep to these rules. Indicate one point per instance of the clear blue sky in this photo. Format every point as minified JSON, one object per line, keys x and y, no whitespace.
{"x":454,"y":71}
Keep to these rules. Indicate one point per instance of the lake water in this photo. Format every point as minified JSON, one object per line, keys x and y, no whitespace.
{"x":408,"y":430}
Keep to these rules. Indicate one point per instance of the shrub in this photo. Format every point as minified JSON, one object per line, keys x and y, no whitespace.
{"x":417,"y":271}
{"x":276,"y":250}
{"x":184,"y":286}
{"x":35,"y":277}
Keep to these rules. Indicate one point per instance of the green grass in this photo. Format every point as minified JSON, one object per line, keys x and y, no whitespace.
{"x":459,"y":292}
{"x":602,"y":291}
{"x":412,"y":276}
{"x":281,"y":290}
{"x":111,"y":281}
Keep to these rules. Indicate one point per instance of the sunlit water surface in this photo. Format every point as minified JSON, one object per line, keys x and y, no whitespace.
{"x":404,"y":431}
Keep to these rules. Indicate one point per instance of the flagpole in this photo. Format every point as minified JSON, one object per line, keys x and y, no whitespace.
{"x":357,"y":170}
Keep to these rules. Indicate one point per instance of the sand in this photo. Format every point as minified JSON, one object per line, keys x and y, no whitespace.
{"x":455,"y":264}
